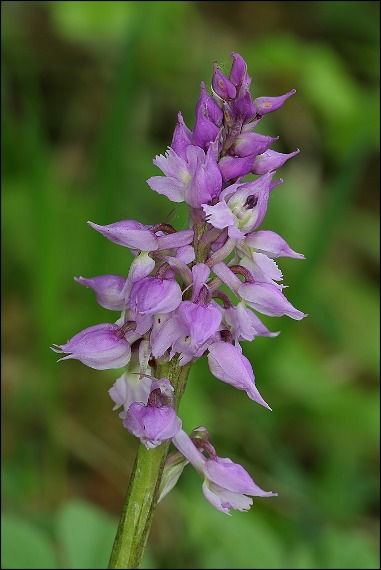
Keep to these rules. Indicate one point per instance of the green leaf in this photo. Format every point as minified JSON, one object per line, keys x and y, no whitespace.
{"x":90,"y":21}
{"x":173,"y":468}
{"x":244,"y":540}
{"x":86,"y":535}
{"x":24,"y":545}
{"x":348,"y":549}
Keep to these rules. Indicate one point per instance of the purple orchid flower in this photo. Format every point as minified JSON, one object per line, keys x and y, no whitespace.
{"x":155,"y":295}
{"x":201,"y":321}
{"x":227,"y":363}
{"x":208,"y":120}
{"x":157,"y":420}
{"x":226,"y":484}
{"x":174,"y":307}
{"x":196,"y":180}
{"x":271,"y":160}
{"x":262,"y":268}
{"x":208,"y":107}
{"x":269,"y":243}
{"x":222,"y":86}
{"x":182,"y":138}
{"x":108,"y":289}
{"x":244,"y":324}
{"x":252,"y":144}
{"x":245,"y":206}
{"x":101,"y":347}
{"x":134,"y":385}
{"x":238,"y":74}
{"x":187,"y":331}
{"x":264,"y":105}
{"x":265,"y":298}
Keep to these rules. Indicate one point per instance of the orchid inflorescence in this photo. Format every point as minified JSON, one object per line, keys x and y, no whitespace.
{"x":172,"y":304}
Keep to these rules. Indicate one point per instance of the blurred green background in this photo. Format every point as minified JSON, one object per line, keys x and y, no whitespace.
{"x":90,"y":94}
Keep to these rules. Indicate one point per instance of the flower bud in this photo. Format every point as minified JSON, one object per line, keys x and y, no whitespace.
{"x":267,"y":299}
{"x":201,"y":321}
{"x":264,"y":105}
{"x":271,"y":160}
{"x":157,"y":421}
{"x":227,"y":363}
{"x":230,"y":113}
{"x":154,"y":295}
{"x":238,"y":73}
{"x":101,"y":347}
{"x":245,"y":107}
{"x":252,"y":144}
{"x":226,"y":484}
{"x":207,"y":106}
{"x":130,"y":388}
{"x":207,"y":181}
{"x":232,"y":167}
{"x":129,"y":233}
{"x":108,"y":289}
{"x":182,"y":138}
{"x":222,"y":86}
{"x":205,"y":131}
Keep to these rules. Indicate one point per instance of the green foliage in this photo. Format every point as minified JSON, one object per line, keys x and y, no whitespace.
{"x":25,"y":545}
{"x":90,"y":94}
{"x":85,"y":534}
{"x":83,"y":538}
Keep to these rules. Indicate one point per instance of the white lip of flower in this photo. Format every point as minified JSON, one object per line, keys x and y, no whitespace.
{"x":185,"y":176}
{"x":243,"y":214}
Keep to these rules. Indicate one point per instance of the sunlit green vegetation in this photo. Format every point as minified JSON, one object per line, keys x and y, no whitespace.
{"x":90,"y":94}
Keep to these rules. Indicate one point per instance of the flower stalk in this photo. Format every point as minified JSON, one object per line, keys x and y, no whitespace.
{"x":144,"y":486}
{"x":139,"y":506}
{"x":143,"y":490}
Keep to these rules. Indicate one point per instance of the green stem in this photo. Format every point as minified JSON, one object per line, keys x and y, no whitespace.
{"x":143,"y":491}
{"x":142,"y":496}
{"x":135,"y":521}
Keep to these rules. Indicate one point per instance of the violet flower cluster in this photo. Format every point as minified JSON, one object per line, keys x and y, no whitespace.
{"x":171,"y":302}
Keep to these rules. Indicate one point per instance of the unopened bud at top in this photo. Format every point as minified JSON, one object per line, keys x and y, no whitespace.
{"x":238,"y":73}
{"x":182,"y":137}
{"x":208,"y":107}
{"x":222,"y":86}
